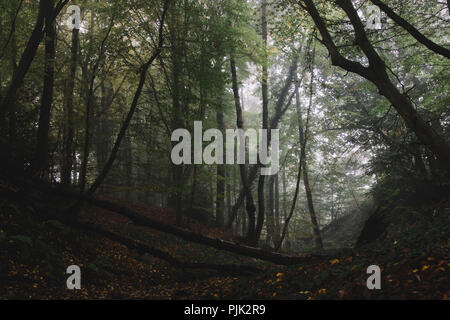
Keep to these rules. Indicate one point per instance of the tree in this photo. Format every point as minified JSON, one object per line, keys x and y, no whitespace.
{"x":265,"y":118}
{"x":250,"y":206}
{"x":376,"y":72}
{"x":221,"y":175}
{"x":66,"y":170}
{"x":8,"y":102}
{"x":412,"y":30}
{"x":303,"y":135}
{"x":143,"y":71}
{"x":41,"y":156}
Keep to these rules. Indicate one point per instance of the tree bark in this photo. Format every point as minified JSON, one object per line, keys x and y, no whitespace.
{"x":299,"y":172}
{"x":42,"y":148}
{"x":376,"y":73}
{"x":177,"y":114}
{"x":416,"y":34}
{"x":284,"y":194}
{"x":265,"y":119}
{"x":277,"y":210}
{"x":143,"y":71}
{"x":66,"y":172}
{"x":89,"y":104}
{"x":303,"y":141}
{"x":220,"y":183}
{"x":280,"y":109}
{"x":7,"y":127}
{"x":250,"y":207}
{"x":302,"y":155}
{"x":24,"y":63}
{"x":144,"y":248}
{"x":270,"y":216}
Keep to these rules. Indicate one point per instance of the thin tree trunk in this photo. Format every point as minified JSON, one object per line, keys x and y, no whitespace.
{"x":89,"y":104}
{"x":265,"y":118}
{"x":102,"y":132}
{"x":42,"y":148}
{"x":12,"y":35}
{"x":66,"y":171}
{"x":8,"y":101}
{"x":250,"y":207}
{"x":270,"y":216}
{"x":303,"y":141}
{"x":228,"y":194}
{"x":143,"y":71}
{"x":220,"y":188}
{"x":277,"y":210}
{"x":312,"y":212}
{"x":280,"y":109}
{"x":128,"y":166}
{"x":284,"y":194}
{"x":7,"y":105}
{"x":177,"y":118}
{"x":299,"y":173}
{"x":194,"y":186}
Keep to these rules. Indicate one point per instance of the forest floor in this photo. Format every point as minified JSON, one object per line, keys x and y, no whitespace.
{"x":34,"y":255}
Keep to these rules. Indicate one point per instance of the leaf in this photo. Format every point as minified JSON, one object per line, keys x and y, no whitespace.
{"x":334,"y":261}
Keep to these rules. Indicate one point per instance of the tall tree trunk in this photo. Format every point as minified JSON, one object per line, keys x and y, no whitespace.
{"x":270,"y":217}
{"x":66,"y":171}
{"x":143,"y":72}
{"x":280,"y":109}
{"x":312,"y":212}
{"x":250,"y":207}
{"x":177,"y":114}
{"x":194,"y":186}
{"x":284,"y":194}
{"x":220,"y":188}
{"x":299,"y":173}
{"x":234,"y":201}
{"x":265,"y":118}
{"x":102,"y":131}
{"x":13,"y":40}
{"x":128,"y":166}
{"x":8,"y":102}
{"x":244,"y":223}
{"x":227,"y":194}
{"x":302,"y":152}
{"x":7,"y":105}
{"x":42,"y":148}
{"x":303,"y":141}
{"x":90,"y":99}
{"x":277,"y":210}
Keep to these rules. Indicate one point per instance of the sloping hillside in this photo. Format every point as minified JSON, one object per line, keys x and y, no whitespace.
{"x":35,"y":252}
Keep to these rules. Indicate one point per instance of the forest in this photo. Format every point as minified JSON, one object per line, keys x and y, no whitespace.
{"x":224,"y":149}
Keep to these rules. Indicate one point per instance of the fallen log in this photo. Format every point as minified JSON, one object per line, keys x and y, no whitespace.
{"x":143,"y":248}
{"x":138,"y":219}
